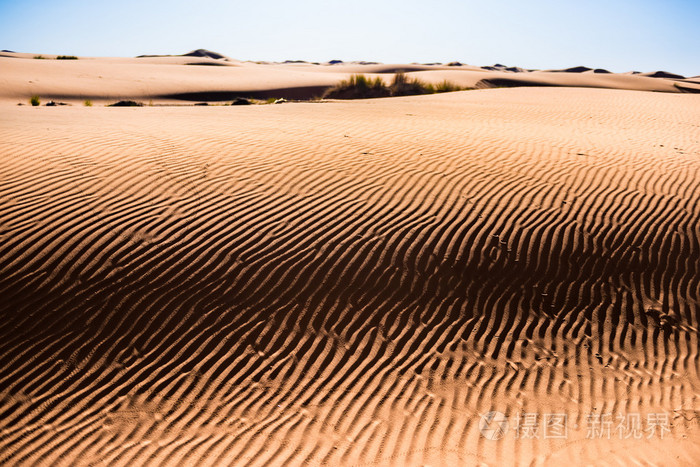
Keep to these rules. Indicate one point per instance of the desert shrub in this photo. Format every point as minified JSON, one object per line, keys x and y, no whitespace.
{"x":405,"y":86}
{"x":66,"y":57}
{"x":39,"y":57}
{"x":362,"y":87}
{"x":34,"y":100}
{"x":126,"y":104}
{"x":358,"y":87}
{"x":447,"y":86}
{"x":87,"y":103}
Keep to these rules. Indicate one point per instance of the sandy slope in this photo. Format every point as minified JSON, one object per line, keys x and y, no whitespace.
{"x":349,"y":283}
{"x":176,"y":79}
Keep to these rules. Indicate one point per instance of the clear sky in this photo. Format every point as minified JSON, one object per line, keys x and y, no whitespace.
{"x":620,"y":35}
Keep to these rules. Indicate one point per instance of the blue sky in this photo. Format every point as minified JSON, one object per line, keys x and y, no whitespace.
{"x":620,"y":35}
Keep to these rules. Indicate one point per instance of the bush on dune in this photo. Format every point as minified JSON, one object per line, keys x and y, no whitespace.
{"x":66,"y":57}
{"x":362,"y":87}
{"x":359,"y":87}
{"x":447,"y":86}
{"x":405,"y":86}
{"x":126,"y":104}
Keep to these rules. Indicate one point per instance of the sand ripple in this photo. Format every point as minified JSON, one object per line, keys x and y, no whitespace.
{"x":347,"y":283}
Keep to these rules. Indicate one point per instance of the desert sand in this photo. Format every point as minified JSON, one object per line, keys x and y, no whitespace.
{"x":345,"y":283}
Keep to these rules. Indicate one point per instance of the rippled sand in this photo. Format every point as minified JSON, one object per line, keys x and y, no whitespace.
{"x":350,"y":283}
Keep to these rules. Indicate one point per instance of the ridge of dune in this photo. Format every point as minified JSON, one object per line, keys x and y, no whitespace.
{"x":663,"y":74}
{"x":202,"y":53}
{"x":585,"y":79}
{"x":575,"y":69}
{"x":353,"y":283}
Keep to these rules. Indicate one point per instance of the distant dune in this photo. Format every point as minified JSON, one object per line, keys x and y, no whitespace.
{"x":173,"y":79}
{"x":195,"y":53}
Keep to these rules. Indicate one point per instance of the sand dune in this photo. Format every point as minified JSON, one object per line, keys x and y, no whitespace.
{"x":349,"y":283}
{"x":174,"y":79}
